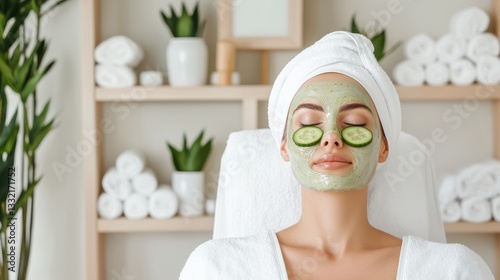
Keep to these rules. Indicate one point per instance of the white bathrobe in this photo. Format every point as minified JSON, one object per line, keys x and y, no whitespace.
{"x":259,"y":257}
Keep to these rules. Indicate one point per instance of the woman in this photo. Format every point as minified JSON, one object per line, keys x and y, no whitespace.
{"x":335,"y":115}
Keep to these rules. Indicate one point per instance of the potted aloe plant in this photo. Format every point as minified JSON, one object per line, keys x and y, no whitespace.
{"x":187,"y":54}
{"x":188,"y":179}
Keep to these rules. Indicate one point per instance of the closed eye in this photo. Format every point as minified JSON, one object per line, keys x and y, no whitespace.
{"x":355,"y":124}
{"x":309,"y":124}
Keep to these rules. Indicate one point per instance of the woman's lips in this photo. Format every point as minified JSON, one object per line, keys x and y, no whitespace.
{"x":332,"y":162}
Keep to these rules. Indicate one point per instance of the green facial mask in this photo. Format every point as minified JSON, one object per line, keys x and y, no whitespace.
{"x":331,"y":96}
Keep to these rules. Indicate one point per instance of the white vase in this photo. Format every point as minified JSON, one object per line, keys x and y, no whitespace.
{"x":189,"y":188}
{"x":187,"y":62}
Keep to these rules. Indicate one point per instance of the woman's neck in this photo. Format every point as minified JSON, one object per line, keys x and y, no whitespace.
{"x":337,"y":221}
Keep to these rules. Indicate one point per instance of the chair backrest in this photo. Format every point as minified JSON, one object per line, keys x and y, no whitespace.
{"x":258,"y":191}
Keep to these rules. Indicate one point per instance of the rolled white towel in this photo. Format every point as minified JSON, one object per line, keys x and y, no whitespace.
{"x":447,"y":190}
{"x":451,"y":213}
{"x":421,"y":48}
{"x":145,"y":182}
{"x":130,"y":163}
{"x":462,"y":72}
{"x":113,"y":76}
{"x":116,"y":184}
{"x":480,"y":180}
{"x":151,"y":78}
{"x":488,"y":70}
{"x":109,"y":206}
{"x":163,"y":203}
{"x":450,"y":47}
{"x":136,"y":206}
{"x":495,"y":208}
{"x":409,"y":73}
{"x":485,"y":44}
{"x":437,"y":73}
{"x":119,"y":50}
{"x":476,"y":210}
{"x":469,"y":22}
{"x":210,"y":206}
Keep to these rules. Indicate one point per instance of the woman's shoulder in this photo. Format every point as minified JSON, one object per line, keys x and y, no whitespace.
{"x":453,"y":261}
{"x":229,"y":257}
{"x":225,"y":246}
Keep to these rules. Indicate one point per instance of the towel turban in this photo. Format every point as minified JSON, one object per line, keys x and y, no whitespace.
{"x":341,"y":52}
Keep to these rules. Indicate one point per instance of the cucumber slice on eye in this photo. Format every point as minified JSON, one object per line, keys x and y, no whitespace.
{"x":357,"y":136}
{"x":307,"y":136}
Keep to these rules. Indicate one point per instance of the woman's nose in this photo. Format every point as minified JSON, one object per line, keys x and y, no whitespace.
{"x":331,"y":139}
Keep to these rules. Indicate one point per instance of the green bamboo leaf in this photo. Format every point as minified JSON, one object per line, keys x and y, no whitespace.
{"x":4,"y":171}
{"x":53,"y":7}
{"x":16,"y":55}
{"x":40,"y":118}
{"x":33,"y":82}
{"x":8,"y":132}
{"x":25,"y":194}
{"x":6,"y":71}
{"x":38,"y":138}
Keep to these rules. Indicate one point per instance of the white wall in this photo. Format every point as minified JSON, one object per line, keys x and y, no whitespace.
{"x":58,"y":245}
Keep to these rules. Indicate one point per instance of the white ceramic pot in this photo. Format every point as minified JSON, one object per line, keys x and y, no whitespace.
{"x":189,"y":188}
{"x":187,"y":62}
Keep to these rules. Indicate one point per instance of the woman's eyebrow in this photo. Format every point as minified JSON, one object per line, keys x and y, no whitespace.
{"x":352,"y":106}
{"x":309,"y":106}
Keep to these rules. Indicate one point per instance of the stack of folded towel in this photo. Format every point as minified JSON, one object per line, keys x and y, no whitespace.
{"x":464,"y":55}
{"x":132,"y":189}
{"x":116,"y":57}
{"x":473,"y":195}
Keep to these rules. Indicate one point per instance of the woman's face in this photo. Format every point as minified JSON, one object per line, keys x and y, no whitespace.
{"x":333,"y":102}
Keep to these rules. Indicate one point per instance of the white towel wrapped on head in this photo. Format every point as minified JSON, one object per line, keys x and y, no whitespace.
{"x":145,"y":182}
{"x":488,"y":70}
{"x":437,"y":74}
{"x":113,"y":76}
{"x":130,"y":163}
{"x":118,"y":50}
{"x":409,"y":73}
{"x":109,"y":206}
{"x":469,"y":22}
{"x":136,"y":206}
{"x":476,"y":209}
{"x":485,"y":44}
{"x":462,"y":72}
{"x":163,"y":203}
{"x":451,"y":213}
{"x":421,"y":48}
{"x":450,"y":47}
{"x":116,"y":184}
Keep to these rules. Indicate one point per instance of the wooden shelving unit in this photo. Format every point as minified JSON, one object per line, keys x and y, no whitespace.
{"x":204,"y":223}
{"x":94,"y":98}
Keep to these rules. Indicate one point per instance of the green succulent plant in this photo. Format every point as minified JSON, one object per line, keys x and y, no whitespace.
{"x":191,"y":158}
{"x":378,"y":40}
{"x":185,"y":25}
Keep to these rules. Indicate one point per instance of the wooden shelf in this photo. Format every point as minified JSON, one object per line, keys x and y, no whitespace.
{"x":261,"y":93}
{"x":166,"y":93}
{"x":464,"y":227}
{"x":203,"y":223}
{"x":448,"y":92}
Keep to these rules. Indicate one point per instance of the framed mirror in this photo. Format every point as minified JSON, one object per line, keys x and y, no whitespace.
{"x":261,"y":24}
